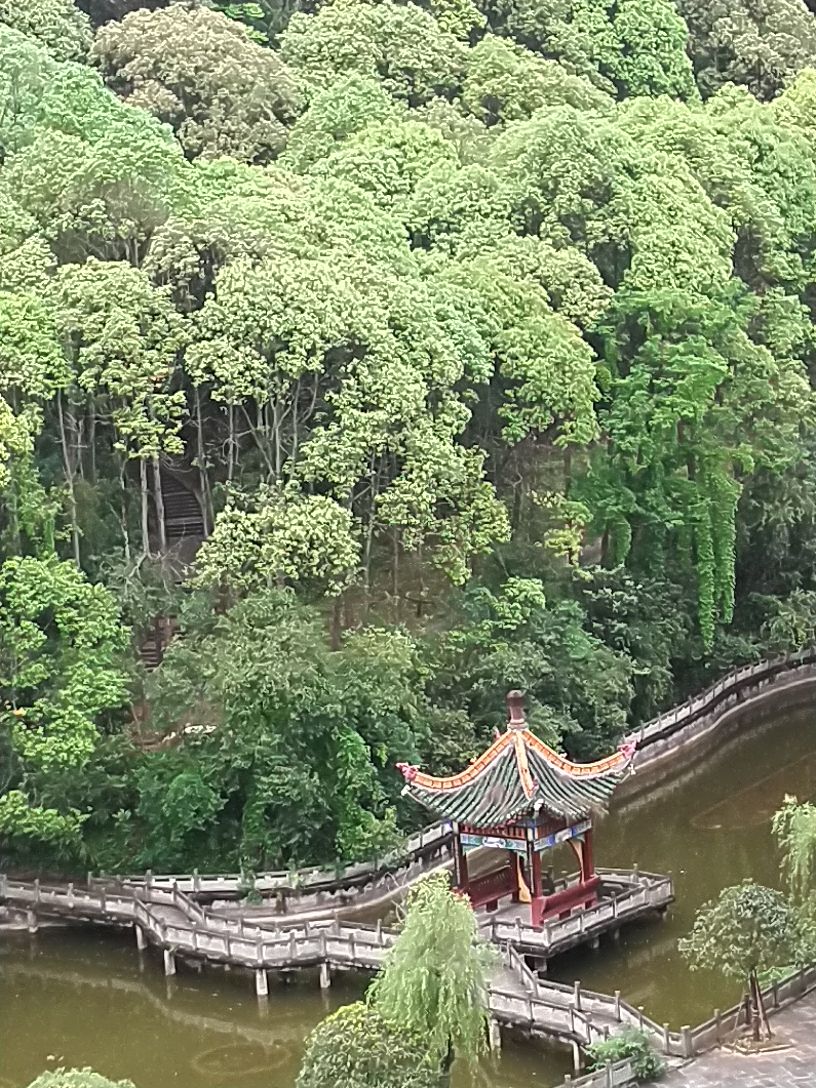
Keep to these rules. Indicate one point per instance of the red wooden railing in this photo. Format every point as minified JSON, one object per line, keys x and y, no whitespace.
{"x":491,"y":887}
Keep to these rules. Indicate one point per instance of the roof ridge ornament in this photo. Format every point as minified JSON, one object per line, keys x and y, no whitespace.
{"x":516,"y":718}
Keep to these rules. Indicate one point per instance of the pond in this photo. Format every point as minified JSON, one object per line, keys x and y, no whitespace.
{"x":86,"y":998}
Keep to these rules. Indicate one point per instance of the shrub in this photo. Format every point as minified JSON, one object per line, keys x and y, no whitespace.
{"x":646,"y":1063}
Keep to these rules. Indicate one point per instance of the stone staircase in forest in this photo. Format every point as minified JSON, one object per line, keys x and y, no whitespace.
{"x":185,"y":530}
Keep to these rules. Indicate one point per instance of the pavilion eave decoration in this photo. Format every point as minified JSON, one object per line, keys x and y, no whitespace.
{"x":522,"y":797}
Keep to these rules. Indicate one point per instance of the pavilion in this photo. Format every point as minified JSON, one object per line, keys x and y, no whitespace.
{"x":521,"y":798}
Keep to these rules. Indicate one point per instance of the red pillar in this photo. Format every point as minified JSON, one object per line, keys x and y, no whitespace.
{"x":460,"y":864}
{"x":536,"y":896}
{"x":587,"y":859}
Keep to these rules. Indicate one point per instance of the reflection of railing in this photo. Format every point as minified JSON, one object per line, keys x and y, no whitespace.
{"x":173,"y":922}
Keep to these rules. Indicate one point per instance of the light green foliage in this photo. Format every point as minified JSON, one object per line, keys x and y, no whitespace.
{"x":348,"y":106}
{"x":630,"y":47}
{"x":32,"y":369}
{"x":305,"y":540}
{"x":399,"y":44}
{"x":388,"y":158}
{"x":58,"y":25}
{"x":76,"y":1078}
{"x":635,"y":1045}
{"x":356,"y":1048}
{"x":505,"y":82}
{"x":195,"y":69}
{"x":60,"y":649}
{"x":434,"y":980}
{"x":794,"y":826}
{"x":756,"y":43}
{"x":747,"y":929}
{"x":123,"y":336}
{"x":25,"y":826}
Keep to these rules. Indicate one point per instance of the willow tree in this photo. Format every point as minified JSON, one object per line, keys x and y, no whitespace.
{"x":794,"y":826}
{"x":434,"y":980}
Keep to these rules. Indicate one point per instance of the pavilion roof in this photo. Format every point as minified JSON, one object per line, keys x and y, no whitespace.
{"x":518,"y":776}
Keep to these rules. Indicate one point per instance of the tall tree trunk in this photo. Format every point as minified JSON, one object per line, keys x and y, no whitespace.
{"x":67,"y":461}
{"x":158,"y":502}
{"x":762,"y":1012}
{"x":91,"y":441}
{"x":204,"y":480}
{"x":144,"y":497}
{"x":231,"y":445}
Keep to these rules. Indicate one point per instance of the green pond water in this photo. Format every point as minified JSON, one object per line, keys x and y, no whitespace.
{"x":74,"y":997}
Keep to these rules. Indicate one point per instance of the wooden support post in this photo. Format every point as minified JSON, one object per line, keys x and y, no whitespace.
{"x":576,"y":1057}
{"x":325,"y":976}
{"x":71,"y":896}
{"x":576,"y":994}
{"x":610,"y":1079}
{"x":718,"y":1022}
{"x":32,"y":922}
{"x":261,"y":983}
{"x":141,"y":937}
{"x":494,"y":1035}
{"x":169,"y":962}
{"x":618,"y":1005}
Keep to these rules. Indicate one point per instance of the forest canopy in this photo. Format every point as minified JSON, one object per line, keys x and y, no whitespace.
{"x":389,"y":355}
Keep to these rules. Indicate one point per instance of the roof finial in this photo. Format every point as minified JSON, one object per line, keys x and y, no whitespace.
{"x":515,"y":710}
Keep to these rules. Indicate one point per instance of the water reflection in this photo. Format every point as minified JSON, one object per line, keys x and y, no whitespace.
{"x":86,"y":998}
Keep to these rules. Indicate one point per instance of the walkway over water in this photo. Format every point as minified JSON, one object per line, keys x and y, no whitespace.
{"x":705,"y":826}
{"x":172,"y":921}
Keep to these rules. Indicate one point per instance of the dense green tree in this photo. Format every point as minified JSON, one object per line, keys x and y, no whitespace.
{"x":400,"y":44}
{"x":62,"y":650}
{"x":758,"y":44}
{"x":630,"y":47}
{"x":58,"y":25}
{"x":199,"y":71}
{"x":356,"y":1048}
{"x":748,"y":929}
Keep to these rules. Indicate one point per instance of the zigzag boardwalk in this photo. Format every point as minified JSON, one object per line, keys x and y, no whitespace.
{"x":177,"y":925}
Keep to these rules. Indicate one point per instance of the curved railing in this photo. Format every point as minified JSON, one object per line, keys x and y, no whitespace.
{"x":327,"y":891}
{"x":730,"y":691}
